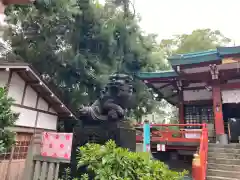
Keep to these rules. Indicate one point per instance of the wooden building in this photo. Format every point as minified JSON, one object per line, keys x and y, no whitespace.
{"x":39,"y":108}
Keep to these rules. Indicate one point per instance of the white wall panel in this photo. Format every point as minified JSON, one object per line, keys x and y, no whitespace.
{"x":26,"y":118}
{"x":233,"y":80}
{"x":47,"y":121}
{"x":30,"y":98}
{"x":42,"y":104}
{"x":231,"y":96}
{"x":16,"y":88}
{"x":197,"y":84}
{"x":194,"y":95}
{"x":3,"y":78}
{"x":52,"y":110}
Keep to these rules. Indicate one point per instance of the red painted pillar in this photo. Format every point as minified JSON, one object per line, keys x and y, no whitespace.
{"x":217,"y":108}
{"x":181,"y":108}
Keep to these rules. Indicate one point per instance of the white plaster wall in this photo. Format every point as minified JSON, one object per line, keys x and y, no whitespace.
{"x":196,"y":70}
{"x":194,"y":95}
{"x":30,"y":97}
{"x":52,"y":110}
{"x":197,"y":84}
{"x":231,"y":96}
{"x":16,"y":88}
{"x":233,"y":80}
{"x":47,"y":121}
{"x":26,"y":118}
{"x":43,"y":105}
{"x":3,"y":78}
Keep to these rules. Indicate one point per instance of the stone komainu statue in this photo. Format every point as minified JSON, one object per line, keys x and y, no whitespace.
{"x":114,"y":100}
{"x":103,"y":120}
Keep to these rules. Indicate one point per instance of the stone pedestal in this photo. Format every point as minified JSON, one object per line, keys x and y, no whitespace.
{"x":126,"y":137}
{"x":223,"y":139}
{"x":100,"y":132}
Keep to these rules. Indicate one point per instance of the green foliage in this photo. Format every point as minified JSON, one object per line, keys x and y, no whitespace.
{"x":7,"y":119}
{"x":77,"y":44}
{"x":114,"y":163}
{"x":198,"y":40}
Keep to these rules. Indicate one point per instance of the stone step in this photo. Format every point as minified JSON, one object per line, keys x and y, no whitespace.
{"x":220,"y":178}
{"x":225,"y":167}
{"x":224,"y":161}
{"x":224,"y":150}
{"x":221,"y":173}
{"x":223,"y":155}
{"x":232,"y":145}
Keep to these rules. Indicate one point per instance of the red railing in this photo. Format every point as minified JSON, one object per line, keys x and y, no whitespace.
{"x":199,"y":164}
{"x":166,"y":133}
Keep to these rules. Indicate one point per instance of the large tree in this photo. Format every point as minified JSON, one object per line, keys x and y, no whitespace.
{"x":77,"y":44}
{"x":198,"y":40}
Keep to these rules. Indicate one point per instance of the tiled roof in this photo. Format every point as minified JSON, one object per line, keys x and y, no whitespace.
{"x":204,"y":56}
{"x":152,"y":75}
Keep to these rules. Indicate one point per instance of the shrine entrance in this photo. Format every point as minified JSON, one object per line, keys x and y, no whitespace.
{"x":231,"y":117}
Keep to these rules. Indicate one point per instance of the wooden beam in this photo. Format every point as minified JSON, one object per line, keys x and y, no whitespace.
{"x":12,"y":69}
{"x":56,"y":104}
{"x":173,"y":95}
{"x":199,"y":102}
{"x":33,"y":83}
{"x":24,"y":129}
{"x":166,"y":85}
{"x":181,"y":108}
{"x":227,"y":86}
{"x":37,"y":114}
{"x":217,"y":108}
{"x":160,"y":80}
{"x":195,"y":88}
{"x":9,"y":80}
{"x":24,"y":93}
{"x":188,"y":66}
{"x":34,"y":109}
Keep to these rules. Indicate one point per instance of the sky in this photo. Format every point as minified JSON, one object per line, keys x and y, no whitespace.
{"x":171,"y":17}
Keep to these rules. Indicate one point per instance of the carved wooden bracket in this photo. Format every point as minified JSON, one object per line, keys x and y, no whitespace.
{"x":214,"y":71}
{"x":179,"y":85}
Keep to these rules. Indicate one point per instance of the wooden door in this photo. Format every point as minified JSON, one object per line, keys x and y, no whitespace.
{"x":12,"y":161}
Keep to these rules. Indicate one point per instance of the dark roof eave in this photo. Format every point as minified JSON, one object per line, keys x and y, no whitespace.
{"x":157,"y":75}
{"x":194,"y":60}
{"x":205,"y":56}
{"x":227,"y":51}
{"x":21,"y":65}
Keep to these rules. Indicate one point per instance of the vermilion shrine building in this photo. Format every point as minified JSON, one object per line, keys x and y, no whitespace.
{"x":206,"y":88}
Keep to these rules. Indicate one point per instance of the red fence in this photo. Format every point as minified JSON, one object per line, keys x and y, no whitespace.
{"x":199,"y":164}
{"x":182,"y":133}
{"x":172,"y":132}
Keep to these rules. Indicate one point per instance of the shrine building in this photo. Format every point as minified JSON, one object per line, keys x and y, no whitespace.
{"x":205,"y":86}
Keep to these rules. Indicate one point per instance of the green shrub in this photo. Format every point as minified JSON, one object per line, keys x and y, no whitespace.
{"x":7,"y":119}
{"x":109,"y":162}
